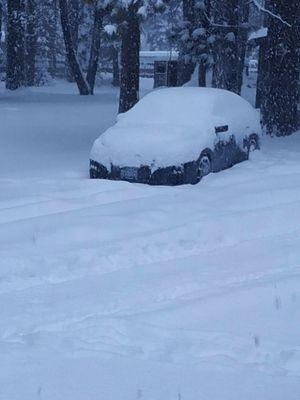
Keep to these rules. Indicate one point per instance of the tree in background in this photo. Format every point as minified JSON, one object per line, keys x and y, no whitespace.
{"x":15,"y":66}
{"x":95,"y":46}
{"x":111,"y":45}
{"x":202,"y":37}
{"x":1,"y":19}
{"x":195,"y":42}
{"x":85,"y":85}
{"x":229,"y":24}
{"x":126,"y":17}
{"x":70,"y":50}
{"x":159,"y":30}
{"x":44,"y":42}
{"x":214,"y":33}
{"x":30,"y":42}
{"x":281,"y":93}
{"x":46,"y":26}
{"x":73,"y":14}
{"x":124,"y":21}
{"x":186,"y":28}
{"x":86,"y":19}
{"x":115,"y":63}
{"x":130,"y":59}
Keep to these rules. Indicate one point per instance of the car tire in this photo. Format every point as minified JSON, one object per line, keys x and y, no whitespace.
{"x":204,"y":166}
{"x":253,"y":144}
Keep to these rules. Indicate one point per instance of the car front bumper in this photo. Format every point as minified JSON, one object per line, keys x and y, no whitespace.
{"x":170,"y":176}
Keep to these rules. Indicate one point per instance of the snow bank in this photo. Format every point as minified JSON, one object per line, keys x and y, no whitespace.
{"x":172,"y":126}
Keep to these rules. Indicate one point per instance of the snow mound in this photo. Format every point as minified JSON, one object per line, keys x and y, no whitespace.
{"x":172,"y":126}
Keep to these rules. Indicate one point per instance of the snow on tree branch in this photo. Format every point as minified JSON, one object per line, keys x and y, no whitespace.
{"x":269,"y":12}
{"x":225,"y":25}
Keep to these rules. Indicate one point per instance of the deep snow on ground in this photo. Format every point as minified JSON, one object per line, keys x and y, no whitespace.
{"x":111,"y":290}
{"x":49,"y":131}
{"x":45,"y":129}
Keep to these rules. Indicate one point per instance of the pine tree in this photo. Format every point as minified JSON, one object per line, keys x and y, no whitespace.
{"x":229,"y":26}
{"x":54,"y":37}
{"x":281,"y":92}
{"x":15,"y":71}
{"x":44,"y":28}
{"x":194,"y":42}
{"x":160,"y":30}
{"x":85,"y":30}
{"x":31,"y":42}
{"x":126,"y":17}
{"x":41,"y":41}
{"x":73,"y":17}
{"x":2,"y":28}
{"x":187,"y":27}
{"x":1,"y":19}
{"x":130,"y":61}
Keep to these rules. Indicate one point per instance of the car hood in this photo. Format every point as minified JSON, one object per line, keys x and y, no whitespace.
{"x":155,"y":145}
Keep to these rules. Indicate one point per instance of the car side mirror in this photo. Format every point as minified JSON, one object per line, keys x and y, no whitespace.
{"x":220,"y":129}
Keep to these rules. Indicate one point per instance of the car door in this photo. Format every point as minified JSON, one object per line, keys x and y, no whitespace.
{"x":231,"y":150}
{"x":225,"y":146}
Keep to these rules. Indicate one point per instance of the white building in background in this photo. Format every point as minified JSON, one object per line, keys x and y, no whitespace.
{"x":147,"y":59}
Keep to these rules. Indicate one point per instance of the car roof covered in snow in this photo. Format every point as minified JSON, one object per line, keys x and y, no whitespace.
{"x":187,"y":106}
{"x":171,"y":126}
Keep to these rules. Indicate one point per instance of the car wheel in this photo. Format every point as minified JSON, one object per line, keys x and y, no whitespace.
{"x":253,"y":144}
{"x":204,"y":166}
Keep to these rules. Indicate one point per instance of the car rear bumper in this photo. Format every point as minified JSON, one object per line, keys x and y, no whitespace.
{"x":169,"y":176}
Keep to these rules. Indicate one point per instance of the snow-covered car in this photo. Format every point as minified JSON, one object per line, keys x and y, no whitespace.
{"x":177,"y":135}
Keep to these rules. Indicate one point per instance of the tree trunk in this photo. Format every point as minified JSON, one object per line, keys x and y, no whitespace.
{"x":31,"y":42}
{"x":261,"y":73}
{"x":15,"y":72}
{"x":279,"y":106}
{"x":230,"y":18}
{"x":130,"y":62}
{"x":242,"y":39}
{"x":73,"y":8}
{"x":52,"y":52}
{"x":71,"y":55}
{"x":225,"y":19}
{"x":202,"y":74}
{"x":73,"y":13}
{"x":116,"y":69}
{"x":225,"y":65}
{"x":262,"y":61}
{"x":186,"y":68}
{"x":95,"y":49}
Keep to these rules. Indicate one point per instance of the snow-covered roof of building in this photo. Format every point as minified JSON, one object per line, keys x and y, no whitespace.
{"x":159,"y":54}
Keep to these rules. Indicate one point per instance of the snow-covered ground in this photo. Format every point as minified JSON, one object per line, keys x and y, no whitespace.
{"x":116,"y":291}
